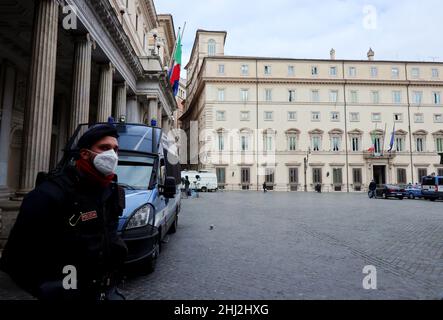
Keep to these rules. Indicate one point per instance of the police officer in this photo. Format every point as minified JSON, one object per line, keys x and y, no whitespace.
{"x":64,"y":244}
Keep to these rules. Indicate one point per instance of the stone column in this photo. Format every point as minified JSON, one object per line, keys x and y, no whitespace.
{"x":120,"y":101}
{"x":40,"y":103}
{"x":153,"y":110}
{"x":160,"y":116}
{"x":105,"y":93}
{"x":7,"y":105}
{"x":132,"y":110}
{"x":81,"y":83}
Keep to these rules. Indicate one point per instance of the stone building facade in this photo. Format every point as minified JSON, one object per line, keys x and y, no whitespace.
{"x":296,"y":123}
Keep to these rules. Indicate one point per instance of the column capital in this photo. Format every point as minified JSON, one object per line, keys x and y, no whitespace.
{"x":121,"y":84}
{"x":107,"y":65}
{"x":86,"y":37}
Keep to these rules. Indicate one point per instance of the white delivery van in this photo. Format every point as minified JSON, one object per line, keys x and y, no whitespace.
{"x":203,"y":181}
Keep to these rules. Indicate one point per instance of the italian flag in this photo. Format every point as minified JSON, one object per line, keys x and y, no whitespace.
{"x":174,"y":72}
{"x":372,"y":148}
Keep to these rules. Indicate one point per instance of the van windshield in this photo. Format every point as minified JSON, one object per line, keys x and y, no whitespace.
{"x":135,"y":172}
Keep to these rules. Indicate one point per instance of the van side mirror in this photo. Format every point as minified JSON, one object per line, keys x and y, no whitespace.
{"x":169,"y":189}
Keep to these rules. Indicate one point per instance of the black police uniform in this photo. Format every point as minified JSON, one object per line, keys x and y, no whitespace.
{"x":67,"y":221}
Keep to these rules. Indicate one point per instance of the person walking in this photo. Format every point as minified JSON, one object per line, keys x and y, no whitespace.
{"x":187,"y":184}
{"x":265,"y":187}
{"x":64,"y":244}
{"x":372,"y":189}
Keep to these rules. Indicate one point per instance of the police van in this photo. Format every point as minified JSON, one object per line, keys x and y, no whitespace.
{"x":432,"y":187}
{"x":149,"y":172}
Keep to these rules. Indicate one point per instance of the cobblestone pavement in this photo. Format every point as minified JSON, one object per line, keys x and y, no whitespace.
{"x":298,"y":246}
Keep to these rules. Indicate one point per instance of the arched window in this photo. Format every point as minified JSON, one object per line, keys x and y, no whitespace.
{"x":211,"y":47}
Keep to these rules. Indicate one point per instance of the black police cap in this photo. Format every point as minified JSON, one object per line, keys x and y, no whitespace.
{"x":95,"y":134}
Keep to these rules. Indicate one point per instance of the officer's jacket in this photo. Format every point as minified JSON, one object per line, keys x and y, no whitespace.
{"x":66,"y":221}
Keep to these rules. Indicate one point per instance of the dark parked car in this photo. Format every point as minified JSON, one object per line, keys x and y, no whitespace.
{"x":391,"y":191}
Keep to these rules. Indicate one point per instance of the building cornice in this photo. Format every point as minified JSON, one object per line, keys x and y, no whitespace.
{"x":341,"y":61}
{"x":101,"y":21}
{"x":320,"y":81}
{"x":170,"y":30}
{"x":151,"y":14}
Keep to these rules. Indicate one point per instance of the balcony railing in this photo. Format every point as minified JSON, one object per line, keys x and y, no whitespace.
{"x":382,"y":156}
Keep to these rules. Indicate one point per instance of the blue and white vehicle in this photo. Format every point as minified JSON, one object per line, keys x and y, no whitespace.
{"x":149,"y":172}
{"x":432,"y":187}
{"x":414,"y":192}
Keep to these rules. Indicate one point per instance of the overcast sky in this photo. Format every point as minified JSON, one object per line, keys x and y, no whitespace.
{"x":396,"y":30}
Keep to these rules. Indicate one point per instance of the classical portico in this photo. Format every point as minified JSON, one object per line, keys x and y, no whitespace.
{"x":53,"y":78}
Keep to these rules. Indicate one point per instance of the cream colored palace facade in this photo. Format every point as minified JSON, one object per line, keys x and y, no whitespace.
{"x":313,"y":116}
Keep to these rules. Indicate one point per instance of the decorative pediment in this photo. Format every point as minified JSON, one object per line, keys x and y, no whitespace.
{"x":269,"y":131}
{"x":420,"y":133}
{"x":355,"y":132}
{"x":438,"y":133}
{"x":292,"y":131}
{"x":400,"y":132}
{"x":316,"y":131}
{"x":377,"y":132}
{"x":221,"y":130}
{"x":245,"y":131}
{"x":336,"y":132}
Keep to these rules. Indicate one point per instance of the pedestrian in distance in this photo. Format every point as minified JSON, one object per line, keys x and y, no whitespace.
{"x":64,"y":244}
{"x":265,"y":187}
{"x":187,"y":184}
{"x":372,"y":190}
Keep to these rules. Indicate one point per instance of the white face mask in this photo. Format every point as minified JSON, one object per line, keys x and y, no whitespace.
{"x":106,"y":162}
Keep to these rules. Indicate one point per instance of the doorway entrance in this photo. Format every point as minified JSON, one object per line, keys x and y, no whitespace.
{"x":380,"y":175}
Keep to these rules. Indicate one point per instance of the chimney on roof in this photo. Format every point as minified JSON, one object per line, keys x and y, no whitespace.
{"x":332,"y":54}
{"x":371,"y":54}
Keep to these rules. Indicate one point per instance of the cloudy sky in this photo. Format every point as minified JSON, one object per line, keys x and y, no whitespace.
{"x":396,"y":30}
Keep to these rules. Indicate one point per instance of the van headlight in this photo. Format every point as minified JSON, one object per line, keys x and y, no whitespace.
{"x":140,"y":218}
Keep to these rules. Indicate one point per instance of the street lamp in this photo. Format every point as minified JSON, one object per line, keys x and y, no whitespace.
{"x":306,"y":161}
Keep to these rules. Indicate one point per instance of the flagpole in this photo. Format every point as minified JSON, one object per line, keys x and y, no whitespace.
{"x":384,"y":138}
{"x":392,"y":142}
{"x":171,"y":60}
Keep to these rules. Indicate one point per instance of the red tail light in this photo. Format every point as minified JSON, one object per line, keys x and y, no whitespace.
{"x":436,"y":188}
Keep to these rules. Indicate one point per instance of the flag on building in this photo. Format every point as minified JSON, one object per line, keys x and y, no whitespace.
{"x":174,"y":72}
{"x":391,"y":144}
{"x":372,"y":148}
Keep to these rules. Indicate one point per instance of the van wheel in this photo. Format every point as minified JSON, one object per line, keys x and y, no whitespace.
{"x":174,"y":226}
{"x":151,"y":262}
{"x":411,"y":196}
{"x":204,"y":189}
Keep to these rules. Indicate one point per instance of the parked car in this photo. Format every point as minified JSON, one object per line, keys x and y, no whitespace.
{"x":414,"y":192}
{"x":432,"y":187}
{"x":391,"y":191}
{"x":152,"y":190}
